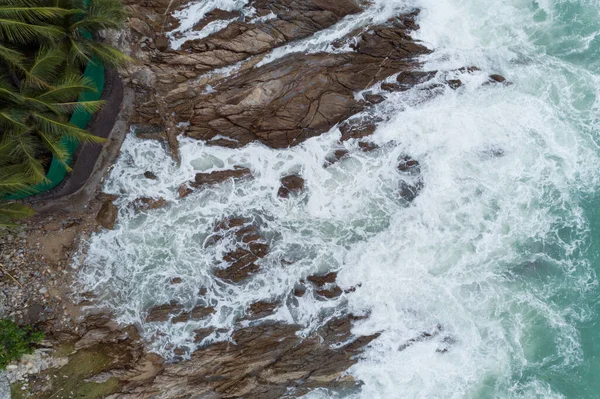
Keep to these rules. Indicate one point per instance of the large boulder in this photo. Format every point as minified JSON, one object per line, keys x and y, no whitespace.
{"x":107,"y":216}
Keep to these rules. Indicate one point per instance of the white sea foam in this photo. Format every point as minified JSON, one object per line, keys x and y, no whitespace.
{"x":494,"y":237}
{"x":193,"y":13}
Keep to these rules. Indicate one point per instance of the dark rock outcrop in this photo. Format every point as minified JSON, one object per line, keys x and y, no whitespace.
{"x":220,"y":176}
{"x":266,"y":361}
{"x":292,"y":184}
{"x":240,"y":263}
{"x":164,"y":312}
{"x":107,"y":216}
{"x":147,"y":203}
{"x":197,"y":313}
{"x":150,"y":175}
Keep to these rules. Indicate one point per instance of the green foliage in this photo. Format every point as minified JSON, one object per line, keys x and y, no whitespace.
{"x":16,"y":341}
{"x":11,"y":212}
{"x":44,"y":46}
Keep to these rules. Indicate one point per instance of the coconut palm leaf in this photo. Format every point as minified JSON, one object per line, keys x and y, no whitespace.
{"x":13,"y":58}
{"x":68,"y":88}
{"x":26,"y":148}
{"x":20,"y":32}
{"x":61,"y":154}
{"x":11,"y":211}
{"x":12,"y":179}
{"x":65,"y":129}
{"x":87,"y":106}
{"x":33,"y":14}
{"x":45,"y":67}
{"x":108,"y":55}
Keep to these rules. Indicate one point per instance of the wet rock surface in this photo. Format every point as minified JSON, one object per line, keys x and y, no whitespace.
{"x":292,"y":184}
{"x":220,"y":176}
{"x":107,"y":215}
{"x":241,"y":263}
{"x":266,"y":361}
{"x":147,"y":203}
{"x":281,"y":103}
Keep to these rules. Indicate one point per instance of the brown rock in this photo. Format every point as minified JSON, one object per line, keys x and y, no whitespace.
{"x":150,"y":175}
{"x":322,"y":279}
{"x":261,"y":309}
{"x":498,"y":78}
{"x":202,"y":333}
{"x":408,"y":79}
{"x":176,"y":280}
{"x":259,"y":249}
{"x":374,"y":98}
{"x":392,"y":87}
{"x":220,"y":176}
{"x":242,"y":266}
{"x":408,"y":165}
{"x":290,"y":184}
{"x":197,"y":313}
{"x":358,"y":128}
{"x":161,"y":43}
{"x":330,"y":293}
{"x":335,"y":157}
{"x":299,"y":290}
{"x":367,"y":146}
{"x":297,"y":97}
{"x":454,"y":83}
{"x":162,"y":313}
{"x":107,"y":216}
{"x":266,"y":360}
{"x":184,"y":190}
{"x":146,"y":203}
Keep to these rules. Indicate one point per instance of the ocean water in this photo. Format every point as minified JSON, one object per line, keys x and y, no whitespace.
{"x":500,"y":251}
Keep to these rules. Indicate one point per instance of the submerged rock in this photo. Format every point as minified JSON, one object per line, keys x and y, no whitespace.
{"x":410,"y":187}
{"x":242,"y":265}
{"x":150,"y":175}
{"x":335,"y":157}
{"x":147,"y":203}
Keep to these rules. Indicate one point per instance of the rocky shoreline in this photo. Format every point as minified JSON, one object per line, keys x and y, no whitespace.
{"x":189,"y":91}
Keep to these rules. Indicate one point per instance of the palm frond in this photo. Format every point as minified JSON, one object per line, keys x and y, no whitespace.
{"x":108,"y":55}
{"x":14,"y":211}
{"x":90,"y":107}
{"x":68,"y":88}
{"x":11,"y":57}
{"x":61,"y":154}
{"x":26,"y":148}
{"x":20,"y":32}
{"x":45,"y":66}
{"x":12,"y":180}
{"x":66,"y":129}
{"x":39,"y":14}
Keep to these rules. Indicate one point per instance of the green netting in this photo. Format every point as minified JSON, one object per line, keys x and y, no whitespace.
{"x":94,"y":71}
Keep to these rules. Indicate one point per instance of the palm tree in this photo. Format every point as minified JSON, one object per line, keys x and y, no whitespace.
{"x":82,"y":27}
{"x":44,"y":46}
{"x":34,"y":117}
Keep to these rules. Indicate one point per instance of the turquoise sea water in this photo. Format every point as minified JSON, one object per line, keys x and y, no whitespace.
{"x":501,"y":247}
